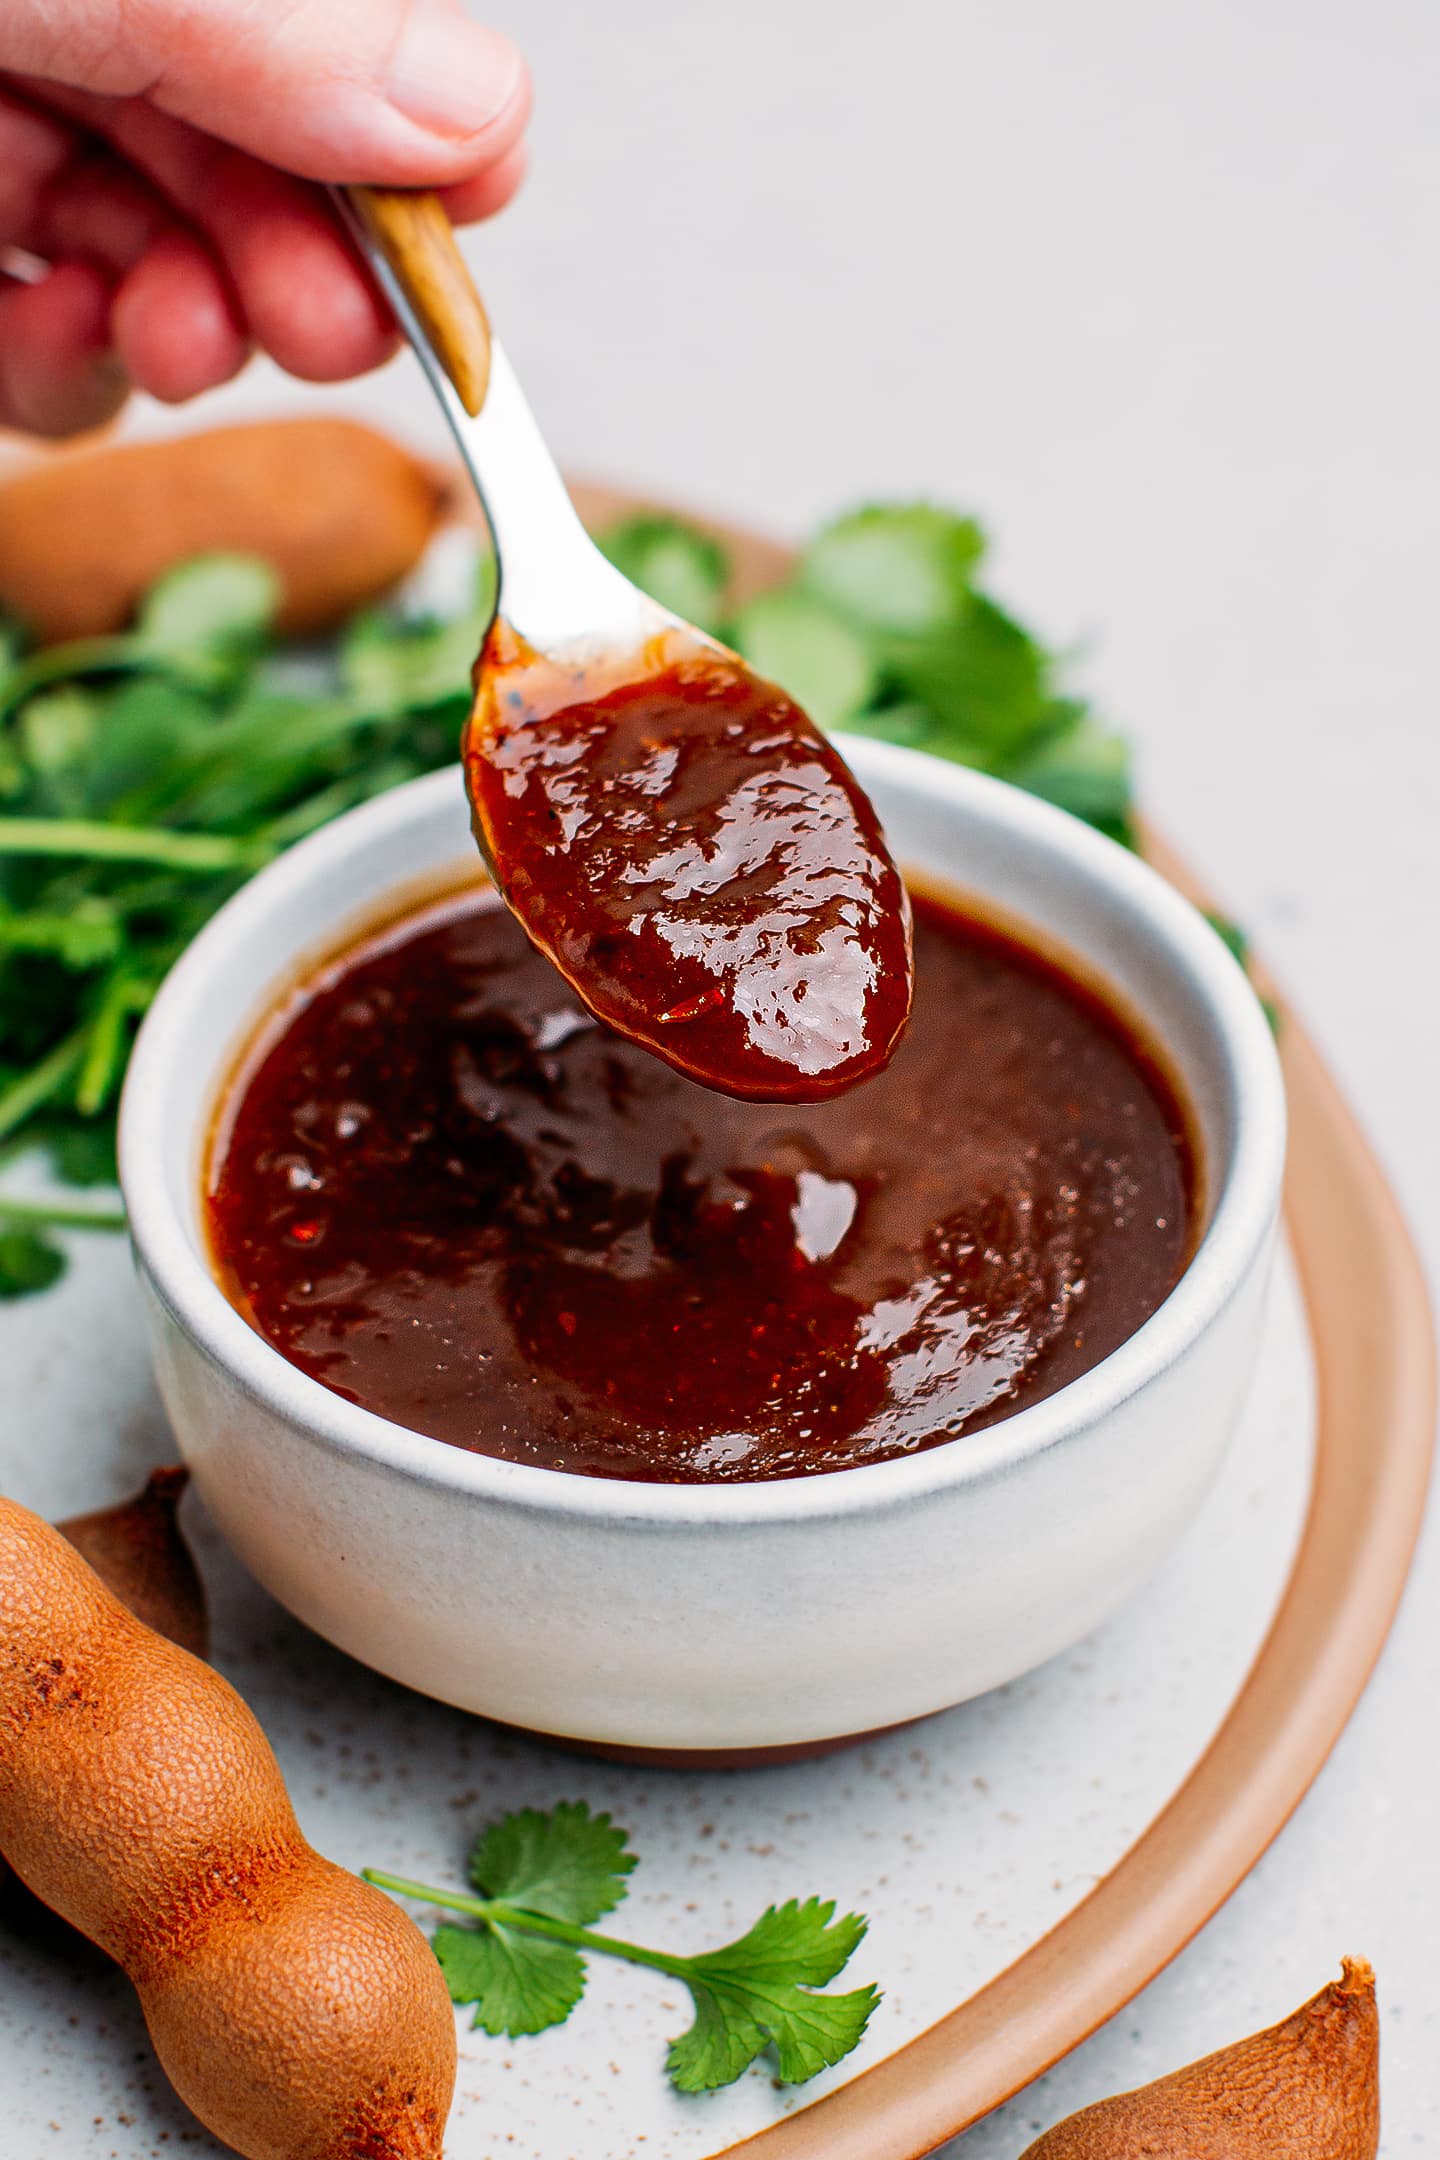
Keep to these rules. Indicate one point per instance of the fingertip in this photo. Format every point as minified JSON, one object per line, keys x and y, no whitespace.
{"x":463,"y":84}
{"x":305,"y":297}
{"x":58,"y":371}
{"x":361,"y":136}
{"x":176,"y":324}
{"x":315,"y":311}
{"x":490,"y":190}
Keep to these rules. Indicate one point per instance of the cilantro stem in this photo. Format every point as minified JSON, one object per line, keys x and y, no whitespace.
{"x":47,"y":1215}
{"x":45,"y":1079}
{"x":123,"y":995}
{"x":306,"y":816}
{"x":130,"y":843}
{"x":82,"y":656}
{"x":516,"y":1916}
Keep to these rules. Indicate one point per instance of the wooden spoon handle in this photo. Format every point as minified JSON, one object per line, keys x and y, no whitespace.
{"x":410,"y":227}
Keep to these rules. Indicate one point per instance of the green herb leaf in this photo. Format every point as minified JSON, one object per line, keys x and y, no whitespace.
{"x":518,"y":1983}
{"x":1230,"y":935}
{"x":902,"y":569}
{"x":761,"y":1993}
{"x":83,"y":1151}
{"x":1237,"y":942}
{"x":983,"y":677}
{"x":56,"y":737}
{"x":29,"y":1261}
{"x":1084,"y":769}
{"x":210,"y":616}
{"x":149,"y":733}
{"x":684,"y":569}
{"x":566,"y":1863}
{"x":798,"y":642}
{"x":396,"y":664}
{"x":915,"y":727}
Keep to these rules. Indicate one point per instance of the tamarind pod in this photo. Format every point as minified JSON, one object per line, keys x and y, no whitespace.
{"x":340,"y":512}
{"x":296,"y":2010}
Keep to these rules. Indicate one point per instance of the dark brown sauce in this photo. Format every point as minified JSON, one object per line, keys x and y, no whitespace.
{"x":698,"y":862}
{"x":446,"y":1191}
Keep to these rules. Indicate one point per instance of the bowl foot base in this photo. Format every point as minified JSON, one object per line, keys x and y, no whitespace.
{"x":752,"y":1758}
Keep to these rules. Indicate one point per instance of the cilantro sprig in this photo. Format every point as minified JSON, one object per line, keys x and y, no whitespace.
{"x":542,"y":1879}
{"x":143,"y":777}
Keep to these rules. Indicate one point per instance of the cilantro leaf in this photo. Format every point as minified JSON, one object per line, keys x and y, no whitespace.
{"x":150,"y":732}
{"x":518,"y":1983}
{"x":928,"y":658}
{"x":567,"y":1863}
{"x":29,"y":1261}
{"x":83,"y":1151}
{"x":12,"y":644}
{"x":685,"y":570}
{"x":980,"y":673}
{"x":395,"y":663}
{"x":814,"y":654}
{"x":900,"y":569}
{"x":1083,"y":769}
{"x":209,"y":617}
{"x":913,"y":725}
{"x":761,"y":1992}
{"x":56,"y":733}
{"x":1231,"y":936}
{"x":1237,"y":943}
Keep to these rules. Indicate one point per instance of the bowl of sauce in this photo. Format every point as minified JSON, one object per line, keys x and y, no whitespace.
{"x":559,"y":1386}
{"x":449,"y":1194}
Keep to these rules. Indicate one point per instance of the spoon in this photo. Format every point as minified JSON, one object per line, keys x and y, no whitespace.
{"x":675,"y":834}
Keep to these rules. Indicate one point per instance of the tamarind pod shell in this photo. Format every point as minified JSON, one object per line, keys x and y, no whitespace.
{"x":298,"y":2012}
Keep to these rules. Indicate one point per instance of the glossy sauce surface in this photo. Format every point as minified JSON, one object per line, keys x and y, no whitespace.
{"x":442,"y":1188}
{"x":697,"y":860}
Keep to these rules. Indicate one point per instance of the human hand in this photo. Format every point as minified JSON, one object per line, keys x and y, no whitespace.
{"x":155,"y":157}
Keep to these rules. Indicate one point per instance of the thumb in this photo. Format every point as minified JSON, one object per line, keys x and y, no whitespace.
{"x":408,"y":92}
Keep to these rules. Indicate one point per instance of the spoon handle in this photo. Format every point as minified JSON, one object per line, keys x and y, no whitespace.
{"x":555,"y":584}
{"x":417,"y":240}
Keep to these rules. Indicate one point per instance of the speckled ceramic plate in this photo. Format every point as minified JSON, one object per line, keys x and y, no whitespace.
{"x":1028,"y":1860}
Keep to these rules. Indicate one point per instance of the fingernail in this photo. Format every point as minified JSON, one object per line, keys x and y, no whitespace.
{"x":450,"y":75}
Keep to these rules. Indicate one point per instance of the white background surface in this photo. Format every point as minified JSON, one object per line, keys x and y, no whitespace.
{"x":1156,"y":290}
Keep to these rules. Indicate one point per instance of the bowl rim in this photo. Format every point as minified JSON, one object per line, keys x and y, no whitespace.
{"x":1245,"y":1202}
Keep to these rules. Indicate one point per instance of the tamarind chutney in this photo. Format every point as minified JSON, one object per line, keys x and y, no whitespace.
{"x":445,"y":1190}
{"x":452,"y":1195}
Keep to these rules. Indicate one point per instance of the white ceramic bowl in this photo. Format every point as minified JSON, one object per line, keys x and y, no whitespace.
{"x":728,"y":1617}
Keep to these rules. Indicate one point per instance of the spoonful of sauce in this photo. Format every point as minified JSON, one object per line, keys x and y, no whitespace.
{"x":674,"y":833}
